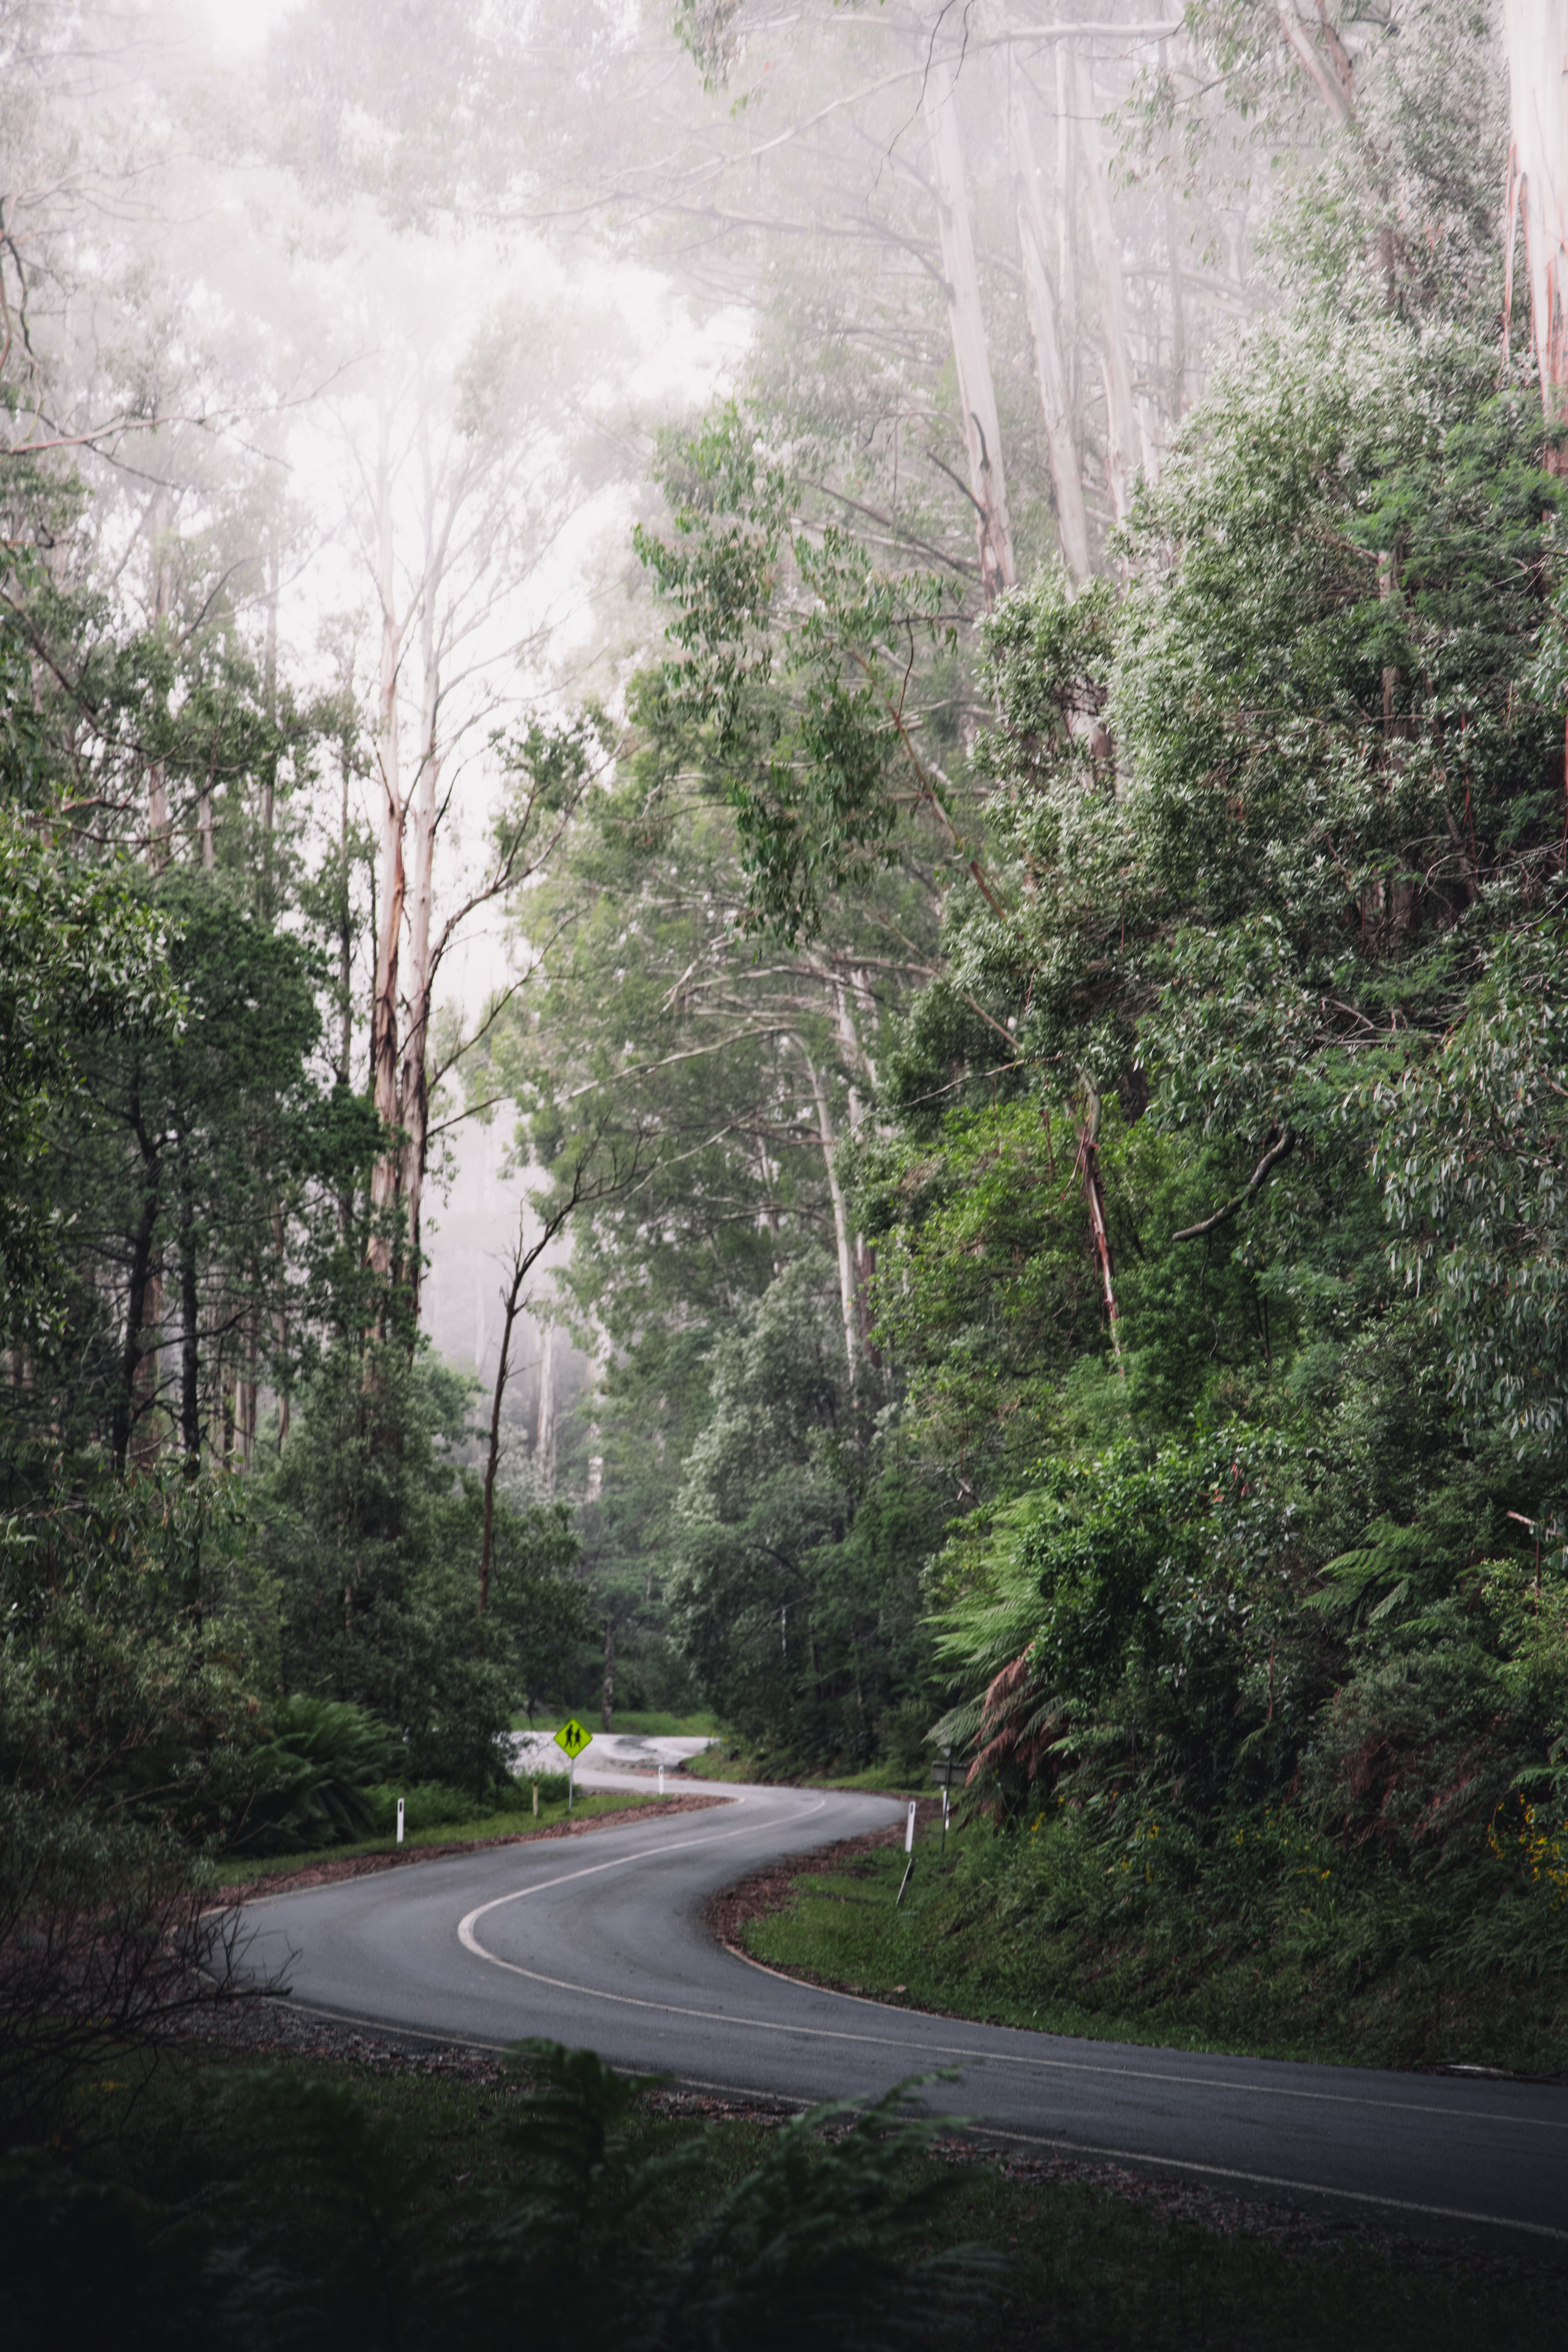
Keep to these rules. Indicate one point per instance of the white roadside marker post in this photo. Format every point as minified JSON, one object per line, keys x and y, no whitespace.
{"x":910,"y":1850}
{"x":536,"y":1800}
{"x":400,"y":1821}
{"x":944,"y":1817}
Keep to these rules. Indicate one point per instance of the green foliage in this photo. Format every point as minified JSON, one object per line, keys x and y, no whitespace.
{"x":794,"y":672}
{"x":1470,"y":1149}
{"x":792,"y":1589}
{"x":81,"y":958}
{"x":371,"y":1539}
{"x":313,"y":1780}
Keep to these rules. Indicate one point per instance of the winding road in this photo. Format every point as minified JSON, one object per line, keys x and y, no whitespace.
{"x":599,"y":1940}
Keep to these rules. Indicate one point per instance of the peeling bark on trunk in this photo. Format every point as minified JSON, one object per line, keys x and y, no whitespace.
{"x":607,"y":1697}
{"x":976,"y":394}
{"x":1124,"y":453}
{"x":248,"y":1396}
{"x":544,"y":1429}
{"x":280,"y":1244}
{"x":1329,"y":74}
{"x":1099,"y":1237}
{"x":511,"y":1304}
{"x":204,"y":834}
{"x":1535,"y":36}
{"x":1045,"y":330}
{"x":847,"y":1283}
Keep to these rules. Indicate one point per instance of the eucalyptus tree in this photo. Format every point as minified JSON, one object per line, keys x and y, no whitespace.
{"x":1538,"y":184}
{"x":470,"y":485}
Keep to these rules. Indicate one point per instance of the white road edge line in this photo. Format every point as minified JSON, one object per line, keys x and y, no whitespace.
{"x":469,"y":1938}
{"x":1021,"y":2139}
{"x":1273,"y":2180}
{"x":1118,"y":2154}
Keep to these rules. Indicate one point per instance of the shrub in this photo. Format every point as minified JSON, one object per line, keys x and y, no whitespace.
{"x":310,"y":1782}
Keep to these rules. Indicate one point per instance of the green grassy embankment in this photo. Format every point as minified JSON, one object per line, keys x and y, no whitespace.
{"x":237,"y":1870}
{"x":1369,"y":1972}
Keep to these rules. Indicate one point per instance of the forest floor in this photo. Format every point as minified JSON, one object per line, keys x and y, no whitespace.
{"x":833,"y":1919}
{"x":1100,"y":2260}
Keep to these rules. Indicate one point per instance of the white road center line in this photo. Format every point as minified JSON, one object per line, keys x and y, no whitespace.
{"x":469,"y":1938}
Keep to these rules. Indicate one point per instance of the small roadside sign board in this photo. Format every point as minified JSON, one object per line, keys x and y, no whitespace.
{"x":948,"y":1772}
{"x":573,"y":1738}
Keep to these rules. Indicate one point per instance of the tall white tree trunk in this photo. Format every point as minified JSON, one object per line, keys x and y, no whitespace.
{"x":1122,"y":439}
{"x":1067,"y":219}
{"x":976,"y":394}
{"x":160,"y":524}
{"x":392,"y":885}
{"x":1045,"y":330}
{"x":847,"y":1291}
{"x":269,"y":771}
{"x":545,"y":1432}
{"x":413,"y":1090}
{"x":1535,"y":35}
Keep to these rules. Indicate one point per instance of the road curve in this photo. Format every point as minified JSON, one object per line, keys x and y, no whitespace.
{"x":600,"y":1941}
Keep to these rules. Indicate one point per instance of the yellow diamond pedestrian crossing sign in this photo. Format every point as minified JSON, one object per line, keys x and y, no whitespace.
{"x":573,"y":1737}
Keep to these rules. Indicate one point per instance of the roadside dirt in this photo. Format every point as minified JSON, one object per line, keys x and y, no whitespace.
{"x":331,"y":1868}
{"x":730,"y":1913}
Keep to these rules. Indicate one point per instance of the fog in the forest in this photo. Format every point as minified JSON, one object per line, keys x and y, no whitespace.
{"x":361,"y":318}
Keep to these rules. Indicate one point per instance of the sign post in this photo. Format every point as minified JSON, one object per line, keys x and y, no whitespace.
{"x":573,"y":1738}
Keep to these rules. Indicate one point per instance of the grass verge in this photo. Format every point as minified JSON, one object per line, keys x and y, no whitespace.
{"x":482,"y":1830}
{"x":968,"y":1941}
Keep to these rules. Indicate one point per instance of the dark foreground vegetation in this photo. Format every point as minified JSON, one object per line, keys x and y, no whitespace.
{"x":370,"y":2210}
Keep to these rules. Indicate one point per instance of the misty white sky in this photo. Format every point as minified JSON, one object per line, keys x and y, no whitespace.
{"x":645,"y":352}
{"x":240,"y":27}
